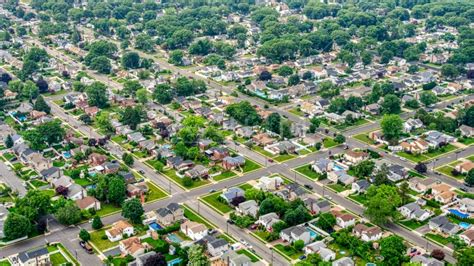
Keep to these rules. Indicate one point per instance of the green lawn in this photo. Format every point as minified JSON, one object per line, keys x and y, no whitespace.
{"x":84,"y":182}
{"x":245,"y":186}
{"x":5,"y":262}
{"x":290,"y":252}
{"x":262,"y":151}
{"x":438,"y":152}
{"x":154,"y":193}
{"x":297,"y":112}
{"x":447,"y":170}
{"x":252,"y":257}
{"x":119,"y":139}
{"x":357,"y":123}
{"x":171,"y":173}
{"x":360,"y":198}
{"x":101,"y":244}
{"x":307,"y":171}
{"x":364,"y":138}
{"x":412,"y":224}
{"x":38,"y":183}
{"x":224,"y":175}
{"x":262,"y":234}
{"x":337,"y":187}
{"x":154,"y":243}
{"x":471,"y":158}
{"x":412,"y":157}
{"x":440,"y":239}
{"x":250,"y":166}
{"x":191,"y":215}
{"x":107,"y":208}
{"x":57,"y":259}
{"x":329,"y":143}
{"x":466,"y":141}
{"x":213,"y":201}
{"x":157,"y":165}
{"x":284,"y":157}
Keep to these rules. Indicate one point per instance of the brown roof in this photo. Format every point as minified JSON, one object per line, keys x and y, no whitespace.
{"x":357,"y":154}
{"x":468,"y":165}
{"x":469,"y":234}
{"x":85,"y":202}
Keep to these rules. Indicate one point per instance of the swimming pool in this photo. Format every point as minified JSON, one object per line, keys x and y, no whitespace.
{"x":459,"y":214}
{"x":312,"y":233}
{"x":155,"y":226}
{"x":66,"y":154}
{"x":174,"y":261}
{"x":174,"y":238}
{"x":337,"y":168}
{"x":464,"y":225}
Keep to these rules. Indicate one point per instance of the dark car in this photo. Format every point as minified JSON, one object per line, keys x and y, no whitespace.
{"x":230,"y":221}
{"x":308,"y":187}
{"x":86,"y":247}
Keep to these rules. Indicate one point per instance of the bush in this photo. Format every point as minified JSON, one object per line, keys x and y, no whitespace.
{"x":187,"y":181}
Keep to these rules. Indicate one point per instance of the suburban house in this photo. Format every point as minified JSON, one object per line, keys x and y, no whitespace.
{"x":322,"y":166}
{"x":420,"y":185}
{"x":267,"y":220}
{"x":232,"y":258}
{"x":344,"y":220}
{"x":468,"y":237}
{"x":466,"y":131}
{"x":132,"y":246}
{"x":397,"y":172}
{"x":442,"y":225}
{"x":446,"y":197}
{"x":230,"y":194}
{"x":178,"y":163}
{"x":412,"y":124}
{"x":170,"y":214}
{"x":464,"y":167}
{"x":425,"y":260}
{"x":317,"y":206}
{"x":417,"y":146}
{"x":198,"y":171}
{"x":119,"y":229}
{"x":262,"y":139}
{"x":249,"y":207}
{"x":295,"y":233}
{"x":319,"y":247}
{"x":37,"y":256}
{"x":281,"y":147}
{"x":466,"y":205}
{"x":193,"y":230}
{"x":414,"y":211}
{"x":217,"y":246}
{"x":341,"y":176}
{"x":360,"y":186}
{"x":437,"y":139}
{"x":366,"y":233}
{"x":230,"y":163}
{"x":344,"y":261}
{"x":355,"y":157}
{"x":269,"y":183}
{"x":88,"y":203}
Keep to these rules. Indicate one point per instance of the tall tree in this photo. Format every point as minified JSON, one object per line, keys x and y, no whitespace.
{"x":392,"y":128}
{"x":97,"y":95}
{"x":16,"y":226}
{"x":196,"y":256}
{"x":272,"y":122}
{"x":133,"y":210}
{"x":130,"y":60}
{"x":41,"y":105}
{"x":382,"y":203}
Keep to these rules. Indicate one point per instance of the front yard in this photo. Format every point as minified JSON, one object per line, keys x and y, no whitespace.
{"x":171,"y":173}
{"x":288,"y":251}
{"x":154,"y":192}
{"x":429,"y":155}
{"x":307,"y":171}
{"x":412,"y":224}
{"x":214,"y":202}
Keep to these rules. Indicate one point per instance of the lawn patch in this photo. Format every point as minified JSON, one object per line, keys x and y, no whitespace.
{"x":57,"y":259}
{"x":437,"y":238}
{"x":251,"y":256}
{"x":329,"y":143}
{"x":154,"y":192}
{"x":224,"y":175}
{"x":213,"y":201}
{"x":307,"y":171}
{"x":412,"y":224}
{"x":284,"y":157}
{"x":97,"y":238}
{"x":337,"y":187}
{"x":171,"y":173}
{"x":364,"y":138}
{"x":288,"y":251}
{"x":250,"y":166}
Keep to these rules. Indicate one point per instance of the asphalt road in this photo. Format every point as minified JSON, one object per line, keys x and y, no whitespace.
{"x":9,"y":177}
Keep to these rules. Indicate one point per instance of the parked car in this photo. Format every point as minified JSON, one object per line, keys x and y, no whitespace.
{"x":86,"y":247}
{"x":308,"y":187}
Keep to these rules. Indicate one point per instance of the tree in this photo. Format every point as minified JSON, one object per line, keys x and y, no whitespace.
{"x":285,"y":129}
{"x":393,"y":250}
{"x":326,"y":221}
{"x":84,"y":235}
{"x":392,"y":128}
{"x":272,"y":122}
{"x":403,"y":191}
{"x":176,"y":57}
{"x":391,"y":104}
{"x":130,"y":60}
{"x":144,"y":42}
{"x":285,"y":71}
{"x":421,"y":168}
{"x":187,"y":181}
{"x":132,"y":117}
{"x":244,"y":113}
{"x":97,"y":95}
{"x":381,"y":176}
{"x":133,"y":210}
{"x":437,"y":254}
{"x":340,"y":139}
{"x":41,"y":105}
{"x":428,"y":98}
{"x":16,"y":226}
{"x":196,"y":256}
{"x":465,"y":257}
{"x":101,"y":64}
{"x":163,"y":94}
{"x":127,"y":158}
{"x":116,"y":190}
{"x":364,"y":168}
{"x":293,"y":80}
{"x":9,"y":141}
{"x":97,"y":223}
{"x":469,"y":180}
{"x":29,"y":90}
{"x":298,"y":245}
{"x":366,"y":58}
{"x":155,"y":260}
{"x":315,"y":122}
{"x":382,"y":203}
{"x":130,"y":87}
{"x":265,"y":75}
{"x":449,"y":71}
{"x":69,"y":214}
{"x":296,"y":216}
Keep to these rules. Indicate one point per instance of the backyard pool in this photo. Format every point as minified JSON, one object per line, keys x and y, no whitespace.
{"x":174,"y":261}
{"x":66,"y":155}
{"x":174,"y":238}
{"x":337,"y":167}
{"x":312,"y":233}
{"x":155,"y":226}
{"x":459,"y":214}
{"x":464,"y":225}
